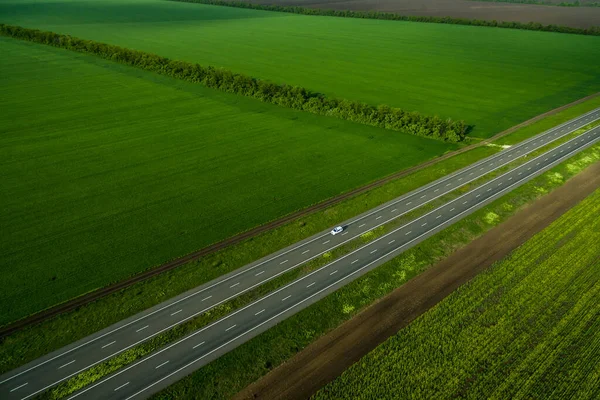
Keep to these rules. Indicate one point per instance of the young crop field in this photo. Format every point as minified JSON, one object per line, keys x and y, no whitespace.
{"x":491,"y":78}
{"x":527,"y":328}
{"x":108,"y":170}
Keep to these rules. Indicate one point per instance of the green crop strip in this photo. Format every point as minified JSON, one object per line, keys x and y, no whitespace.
{"x":527,"y":328}
{"x":293,"y":97}
{"x":532,"y":26}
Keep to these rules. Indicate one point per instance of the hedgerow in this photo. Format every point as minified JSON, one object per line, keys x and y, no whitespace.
{"x":531,"y":26}
{"x":294,"y":97}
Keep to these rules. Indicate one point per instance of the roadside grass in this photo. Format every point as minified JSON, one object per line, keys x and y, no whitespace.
{"x":30,"y":343}
{"x":528,"y":327}
{"x":233,"y":371}
{"x":109,"y":171}
{"x":465,"y":73}
{"x":434,"y":251}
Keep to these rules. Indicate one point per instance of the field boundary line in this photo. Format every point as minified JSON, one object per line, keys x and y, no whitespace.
{"x":240,"y":237}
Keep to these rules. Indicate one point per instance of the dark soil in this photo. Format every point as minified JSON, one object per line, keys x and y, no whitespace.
{"x":329,"y":356}
{"x":577,"y":17}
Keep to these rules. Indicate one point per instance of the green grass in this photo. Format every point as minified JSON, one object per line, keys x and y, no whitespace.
{"x":527,"y":328}
{"x":491,"y":78}
{"x":108,"y":170}
{"x":38,"y":340}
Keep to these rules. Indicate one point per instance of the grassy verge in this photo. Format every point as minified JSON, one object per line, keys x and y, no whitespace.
{"x":35,"y":341}
{"x":527,"y":328}
{"x":230,"y":373}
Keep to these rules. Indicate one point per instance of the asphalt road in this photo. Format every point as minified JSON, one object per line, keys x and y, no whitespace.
{"x":50,"y":370}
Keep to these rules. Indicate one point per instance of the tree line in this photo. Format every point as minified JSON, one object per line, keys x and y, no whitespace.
{"x":531,"y":26}
{"x":294,"y":97}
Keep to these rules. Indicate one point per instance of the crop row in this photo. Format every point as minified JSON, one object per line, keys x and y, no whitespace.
{"x":527,"y":328}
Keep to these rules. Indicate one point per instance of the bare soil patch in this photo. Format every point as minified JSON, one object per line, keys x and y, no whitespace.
{"x":329,"y":356}
{"x":577,"y":17}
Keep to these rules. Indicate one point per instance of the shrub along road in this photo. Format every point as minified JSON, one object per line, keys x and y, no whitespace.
{"x":56,"y":367}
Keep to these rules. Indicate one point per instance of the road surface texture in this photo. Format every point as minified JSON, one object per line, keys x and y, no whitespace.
{"x":329,"y":356}
{"x":577,"y":17}
{"x":243,"y":324}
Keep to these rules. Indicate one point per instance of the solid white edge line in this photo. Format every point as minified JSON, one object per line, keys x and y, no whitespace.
{"x":498,"y":194}
{"x":428,"y":186}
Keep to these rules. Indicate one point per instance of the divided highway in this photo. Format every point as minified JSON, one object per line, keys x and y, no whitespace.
{"x":179,"y":359}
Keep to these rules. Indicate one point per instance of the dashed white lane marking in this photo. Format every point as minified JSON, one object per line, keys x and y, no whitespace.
{"x":510,"y":179}
{"x":354,"y":261}
{"x":306,"y":251}
{"x":141,"y":329}
{"x":489,"y":190}
{"x":439,"y":216}
{"x":206,"y":298}
{"x":436,"y":190}
{"x":360,"y":226}
{"x":176,"y":312}
{"x":231,"y":327}
{"x":409,"y":203}
{"x":452,"y":209}
{"x":500,"y":184}
{"x":261,"y":311}
{"x":19,"y":387}
{"x":422,"y":197}
{"x":408,"y":233}
{"x":391,"y":241}
{"x":122,"y":386}
{"x":520,"y":173}
{"x":424,"y":224}
{"x":160,"y":365}
{"x":283,"y":262}
{"x":234,"y":285}
{"x":448,"y":184}
{"x":478,"y":195}
{"x":374,"y":251}
{"x":325,"y":242}
{"x":200,"y":344}
{"x":106,"y":345}
{"x":465,"y":202}
{"x":333,"y":272}
{"x":394,"y":210}
{"x":345,"y":233}
{"x":69,"y":363}
{"x":285,"y":298}
{"x":460,"y":179}
{"x":310,"y":284}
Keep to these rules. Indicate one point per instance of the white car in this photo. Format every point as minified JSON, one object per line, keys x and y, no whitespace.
{"x":336,"y":230}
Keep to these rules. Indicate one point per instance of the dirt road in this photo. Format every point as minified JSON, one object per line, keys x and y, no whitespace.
{"x":329,"y":356}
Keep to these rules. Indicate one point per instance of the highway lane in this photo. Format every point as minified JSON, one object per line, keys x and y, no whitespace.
{"x":64,"y":363}
{"x":177,"y":360}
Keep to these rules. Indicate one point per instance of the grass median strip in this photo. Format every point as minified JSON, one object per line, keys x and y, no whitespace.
{"x":442,"y":249}
{"x":38,"y":340}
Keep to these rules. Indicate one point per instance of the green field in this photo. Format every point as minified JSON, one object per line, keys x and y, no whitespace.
{"x":108,"y":170}
{"x":492,"y":78}
{"x":529,"y":328}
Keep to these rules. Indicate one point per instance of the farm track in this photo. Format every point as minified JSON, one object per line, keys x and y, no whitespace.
{"x":329,"y":356}
{"x":98,"y":294}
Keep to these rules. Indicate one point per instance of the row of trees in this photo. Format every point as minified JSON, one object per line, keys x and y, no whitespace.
{"x":288,"y":96}
{"x":532,"y":26}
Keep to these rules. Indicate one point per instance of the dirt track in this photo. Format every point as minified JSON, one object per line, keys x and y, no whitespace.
{"x":329,"y":356}
{"x":577,"y":17}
